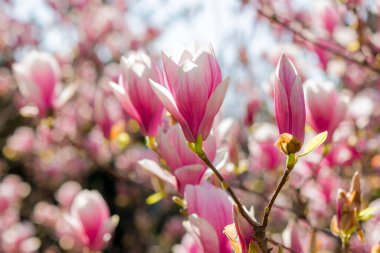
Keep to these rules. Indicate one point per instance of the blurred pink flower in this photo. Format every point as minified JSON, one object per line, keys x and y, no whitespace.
{"x":292,"y":237}
{"x":88,"y":223}
{"x":185,"y":167}
{"x":342,"y":154}
{"x":330,"y":18}
{"x":289,"y":100}
{"x":21,"y":141}
{"x":195,"y":90}
{"x":253,"y":107}
{"x":37,"y":76}
{"x":135,"y":93}
{"x":46,"y":214}
{"x":325,"y":106}
{"x":67,"y":193}
{"x":265,"y":155}
{"x":210,"y":212}
{"x":19,"y":238}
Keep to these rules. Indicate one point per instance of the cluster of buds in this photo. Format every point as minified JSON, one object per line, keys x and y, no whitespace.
{"x":348,"y":205}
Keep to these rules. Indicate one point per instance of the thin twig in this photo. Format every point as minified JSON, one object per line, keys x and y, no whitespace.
{"x":283,"y":246}
{"x":268,"y":208}
{"x":227,"y":187}
{"x":265,"y":198}
{"x":260,"y":235}
{"x":300,"y":33}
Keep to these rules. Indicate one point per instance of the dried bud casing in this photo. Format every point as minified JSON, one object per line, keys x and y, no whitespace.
{"x":375,"y":248}
{"x":288,"y":144}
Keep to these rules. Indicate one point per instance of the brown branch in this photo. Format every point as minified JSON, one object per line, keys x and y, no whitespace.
{"x":268,"y":208}
{"x":265,"y":198}
{"x":227,"y":187}
{"x":301,"y":34}
{"x":260,"y":235}
{"x":283,"y":246}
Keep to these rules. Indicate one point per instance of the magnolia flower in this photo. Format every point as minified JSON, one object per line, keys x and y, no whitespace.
{"x":184,"y":166}
{"x":135,"y":93}
{"x":37,"y":76}
{"x":326,"y":108}
{"x":289,"y":100}
{"x":210,"y":212}
{"x":88,"y":224}
{"x":195,"y":90}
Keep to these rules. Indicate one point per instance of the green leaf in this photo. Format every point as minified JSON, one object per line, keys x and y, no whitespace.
{"x":366,"y":214}
{"x":280,"y":250}
{"x":155,"y":197}
{"x":314,"y":143}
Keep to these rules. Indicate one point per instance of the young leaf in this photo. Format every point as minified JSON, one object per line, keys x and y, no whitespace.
{"x":366,"y":214}
{"x":314,"y":143}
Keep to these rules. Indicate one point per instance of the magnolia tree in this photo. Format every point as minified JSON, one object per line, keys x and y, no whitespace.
{"x":109,"y":145}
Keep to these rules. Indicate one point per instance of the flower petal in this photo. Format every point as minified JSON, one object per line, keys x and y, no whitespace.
{"x":213,"y":107}
{"x":204,"y":233}
{"x":188,"y":175}
{"x":154,"y":168}
{"x":168,"y":101}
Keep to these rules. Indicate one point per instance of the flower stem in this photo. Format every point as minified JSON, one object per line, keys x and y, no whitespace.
{"x":202,"y":155}
{"x":268,"y":208}
{"x":345,"y":246}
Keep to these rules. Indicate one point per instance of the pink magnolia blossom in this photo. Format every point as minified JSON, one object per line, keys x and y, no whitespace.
{"x":195,"y":90}
{"x":325,"y":106}
{"x":210,"y":212}
{"x":185,"y":167}
{"x":37,"y":76}
{"x":88,"y":223}
{"x":289,"y":100}
{"x":135,"y":93}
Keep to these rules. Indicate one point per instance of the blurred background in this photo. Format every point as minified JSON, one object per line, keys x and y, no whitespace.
{"x":90,"y":140}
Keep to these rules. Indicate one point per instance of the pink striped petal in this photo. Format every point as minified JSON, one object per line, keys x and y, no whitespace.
{"x":204,"y":232}
{"x":189,"y":175}
{"x":155,"y":169}
{"x":212,"y":108}
{"x":168,"y":101}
